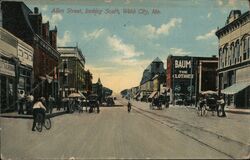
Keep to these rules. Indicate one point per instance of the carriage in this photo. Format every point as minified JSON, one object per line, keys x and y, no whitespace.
{"x":156,"y":102}
{"x":93,"y":103}
{"x":208,"y":102}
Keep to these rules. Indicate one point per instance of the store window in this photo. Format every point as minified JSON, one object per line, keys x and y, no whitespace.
{"x":21,"y":83}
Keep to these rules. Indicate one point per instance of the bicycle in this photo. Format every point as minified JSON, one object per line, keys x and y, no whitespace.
{"x":40,"y":123}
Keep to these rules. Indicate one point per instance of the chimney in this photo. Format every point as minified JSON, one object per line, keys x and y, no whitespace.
{"x":36,"y":10}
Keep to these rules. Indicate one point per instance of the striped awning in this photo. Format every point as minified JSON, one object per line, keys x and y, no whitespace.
{"x":235,"y":88}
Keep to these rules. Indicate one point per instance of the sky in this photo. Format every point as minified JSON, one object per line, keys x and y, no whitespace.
{"x":119,"y":39}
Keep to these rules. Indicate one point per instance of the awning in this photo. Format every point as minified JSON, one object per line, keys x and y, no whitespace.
{"x":235,"y":88}
{"x":152,"y":94}
{"x":137,"y":95}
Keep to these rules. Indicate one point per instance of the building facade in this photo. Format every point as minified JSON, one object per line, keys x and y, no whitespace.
{"x":88,"y":81}
{"x":188,"y":76}
{"x":152,"y":78}
{"x":97,"y":88}
{"x":155,"y":67}
{"x":234,"y":59}
{"x":16,"y":68}
{"x":72,"y":65}
{"x":18,"y":19}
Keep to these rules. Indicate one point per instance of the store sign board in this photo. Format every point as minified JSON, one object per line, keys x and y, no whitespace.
{"x":182,"y":69}
{"x":242,"y":75}
{"x":7,"y":69}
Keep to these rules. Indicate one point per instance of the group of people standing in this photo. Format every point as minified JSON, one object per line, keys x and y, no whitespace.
{"x":25,"y":103}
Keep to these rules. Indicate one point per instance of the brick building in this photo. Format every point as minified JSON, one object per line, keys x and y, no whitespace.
{"x":188,"y":76}
{"x":18,"y":19}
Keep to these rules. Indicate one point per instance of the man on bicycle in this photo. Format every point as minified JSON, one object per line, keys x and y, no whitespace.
{"x":38,"y":107}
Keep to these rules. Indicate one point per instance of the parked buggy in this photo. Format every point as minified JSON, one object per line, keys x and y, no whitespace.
{"x":208,"y":103}
{"x":93,"y":103}
{"x":156,"y":102}
{"x":110,"y":101}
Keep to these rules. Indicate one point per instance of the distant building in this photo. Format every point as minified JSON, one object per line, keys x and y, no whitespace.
{"x":72,"y":64}
{"x":155,"y":67}
{"x":155,"y":71}
{"x":106,"y":92}
{"x":88,"y":82}
{"x":97,"y":88}
{"x":188,"y":76}
{"x":18,"y":19}
{"x":234,"y":59}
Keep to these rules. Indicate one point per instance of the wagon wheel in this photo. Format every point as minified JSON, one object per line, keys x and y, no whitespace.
{"x":219,"y":111}
{"x":39,"y":122}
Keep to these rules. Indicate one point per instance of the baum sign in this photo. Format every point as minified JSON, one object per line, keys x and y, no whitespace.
{"x":182,"y":69}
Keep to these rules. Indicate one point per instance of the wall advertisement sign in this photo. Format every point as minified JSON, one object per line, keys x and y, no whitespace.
{"x":183,"y":74}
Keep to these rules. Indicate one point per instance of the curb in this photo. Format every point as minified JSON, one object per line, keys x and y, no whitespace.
{"x":31,"y":117}
{"x":237,"y":112}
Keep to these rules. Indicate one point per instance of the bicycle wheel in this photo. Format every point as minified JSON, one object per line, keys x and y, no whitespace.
{"x":47,"y":123}
{"x":198,"y":111}
{"x":39,"y":119}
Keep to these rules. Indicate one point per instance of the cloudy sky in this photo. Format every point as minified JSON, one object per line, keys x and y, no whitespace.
{"x":120,"y":38}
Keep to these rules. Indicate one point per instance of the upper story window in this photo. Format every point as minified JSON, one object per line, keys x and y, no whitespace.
{"x":248,"y":50}
{"x":225,"y":52}
{"x":65,"y":64}
{"x":245,"y":45}
{"x":30,"y":57}
{"x":20,"y":53}
{"x":25,"y":55}
{"x":237,"y":51}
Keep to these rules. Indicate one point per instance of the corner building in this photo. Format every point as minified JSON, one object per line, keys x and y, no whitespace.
{"x":234,"y":59}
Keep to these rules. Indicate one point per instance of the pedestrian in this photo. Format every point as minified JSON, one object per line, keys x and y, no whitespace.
{"x":221,"y":103}
{"x":98,"y":106}
{"x":51,"y":101}
{"x":29,"y":103}
{"x":129,"y":106}
{"x":38,"y":108}
{"x":21,"y":100}
{"x":58,"y":106}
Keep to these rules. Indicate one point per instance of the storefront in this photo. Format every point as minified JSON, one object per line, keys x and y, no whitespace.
{"x":8,"y":85}
{"x":16,"y":66}
{"x":238,"y":93}
{"x":183,"y":77}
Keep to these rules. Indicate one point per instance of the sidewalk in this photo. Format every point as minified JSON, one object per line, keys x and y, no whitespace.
{"x":229,"y":110}
{"x":25,"y":116}
{"x":237,"y":110}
